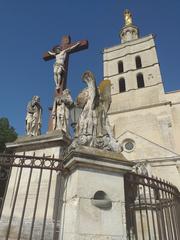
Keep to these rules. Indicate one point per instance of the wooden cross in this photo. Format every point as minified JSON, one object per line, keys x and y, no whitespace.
{"x":65,"y":44}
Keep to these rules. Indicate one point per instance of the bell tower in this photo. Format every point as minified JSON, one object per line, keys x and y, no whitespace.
{"x":133,"y":68}
{"x":144,"y":117}
{"x":137,"y":89}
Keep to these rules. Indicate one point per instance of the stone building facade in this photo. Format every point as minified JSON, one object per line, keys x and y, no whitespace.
{"x":145,"y":119}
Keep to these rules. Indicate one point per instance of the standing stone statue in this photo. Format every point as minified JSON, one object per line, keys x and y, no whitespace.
{"x":93,"y":128}
{"x":60,"y":111}
{"x":59,"y":66}
{"x":61,"y":53}
{"x":33,"y":117}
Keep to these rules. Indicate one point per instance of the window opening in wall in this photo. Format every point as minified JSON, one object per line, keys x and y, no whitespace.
{"x":140,"y":80}
{"x":120,"y":67}
{"x":122,"y":85}
{"x":128,"y":145}
{"x":138,"y":62}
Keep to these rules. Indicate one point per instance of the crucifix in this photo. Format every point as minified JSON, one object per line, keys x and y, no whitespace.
{"x":61,"y":54}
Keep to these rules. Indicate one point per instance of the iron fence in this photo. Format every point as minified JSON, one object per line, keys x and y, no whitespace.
{"x":28,"y":183}
{"x":32,"y":208}
{"x":152,"y":208}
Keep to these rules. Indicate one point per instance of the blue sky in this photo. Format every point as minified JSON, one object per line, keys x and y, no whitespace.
{"x":30,"y":28}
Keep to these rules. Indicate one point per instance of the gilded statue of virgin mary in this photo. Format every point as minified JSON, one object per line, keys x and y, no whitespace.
{"x":127,"y":17}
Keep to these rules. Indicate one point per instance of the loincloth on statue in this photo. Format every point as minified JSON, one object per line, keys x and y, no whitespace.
{"x":59,"y":65}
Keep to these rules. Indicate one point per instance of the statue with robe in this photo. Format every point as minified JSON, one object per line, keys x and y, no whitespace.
{"x":93,"y":128}
{"x":61,"y":111}
{"x":34,"y":117}
{"x":127,"y":17}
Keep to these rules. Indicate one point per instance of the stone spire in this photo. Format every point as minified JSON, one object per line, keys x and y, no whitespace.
{"x":129,"y":32}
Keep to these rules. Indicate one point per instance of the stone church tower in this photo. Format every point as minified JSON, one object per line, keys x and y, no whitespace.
{"x":146,"y":120}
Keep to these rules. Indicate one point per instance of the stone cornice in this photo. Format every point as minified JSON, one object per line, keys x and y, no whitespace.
{"x":165,"y":161}
{"x":129,"y":54}
{"x":88,"y":157}
{"x":128,"y":44}
{"x":142,"y":107}
{"x":27,"y":143}
{"x":131,"y":70}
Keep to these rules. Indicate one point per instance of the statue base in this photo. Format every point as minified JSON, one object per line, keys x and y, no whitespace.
{"x":50,"y":144}
{"x":32,"y":192}
{"x":93,"y":204}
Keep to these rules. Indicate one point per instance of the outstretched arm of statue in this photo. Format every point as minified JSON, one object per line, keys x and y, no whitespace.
{"x":52,"y":53}
{"x":74,"y":46}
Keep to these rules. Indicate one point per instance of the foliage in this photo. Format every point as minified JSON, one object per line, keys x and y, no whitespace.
{"x":7,"y":133}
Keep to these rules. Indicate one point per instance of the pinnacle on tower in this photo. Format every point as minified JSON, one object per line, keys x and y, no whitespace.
{"x":129,"y":32}
{"x":127,"y":17}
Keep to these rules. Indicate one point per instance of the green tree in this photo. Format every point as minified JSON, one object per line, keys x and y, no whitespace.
{"x":7,"y":133}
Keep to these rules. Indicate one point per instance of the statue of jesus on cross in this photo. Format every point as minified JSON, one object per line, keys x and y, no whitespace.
{"x":59,"y":65}
{"x":61,"y":53}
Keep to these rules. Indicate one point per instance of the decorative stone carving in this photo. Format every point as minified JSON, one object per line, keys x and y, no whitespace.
{"x":59,"y":65}
{"x":60,"y":111}
{"x":33,"y":117}
{"x":141,"y":169}
{"x":61,"y":53}
{"x":93,"y":128}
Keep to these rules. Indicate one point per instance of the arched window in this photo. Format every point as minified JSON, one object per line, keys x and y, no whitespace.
{"x":122,"y":85}
{"x":120,"y":67}
{"x":140,"y":80}
{"x":138,"y":62}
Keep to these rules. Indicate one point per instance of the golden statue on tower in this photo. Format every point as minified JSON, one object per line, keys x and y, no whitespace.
{"x":127,"y":17}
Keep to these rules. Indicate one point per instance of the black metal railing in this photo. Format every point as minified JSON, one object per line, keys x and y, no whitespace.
{"x":28,"y":183}
{"x":152,"y":208}
{"x":25,"y":161}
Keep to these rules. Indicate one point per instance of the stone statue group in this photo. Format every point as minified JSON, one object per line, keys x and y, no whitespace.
{"x":60,"y":114}
{"x":92,"y":127}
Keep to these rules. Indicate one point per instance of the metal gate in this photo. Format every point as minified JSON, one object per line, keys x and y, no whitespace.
{"x":28,"y":185}
{"x":152,"y":208}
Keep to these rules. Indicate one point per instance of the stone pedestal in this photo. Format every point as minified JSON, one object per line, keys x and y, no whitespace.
{"x":32,"y":192}
{"x":93,"y":202}
{"x":50,"y":144}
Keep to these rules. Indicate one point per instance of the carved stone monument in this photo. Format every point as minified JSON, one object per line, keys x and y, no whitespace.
{"x":84,"y":198}
{"x":60,"y":111}
{"x":61,"y":53}
{"x":93,"y":128}
{"x":33,"y":117}
{"x":59,"y":65}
